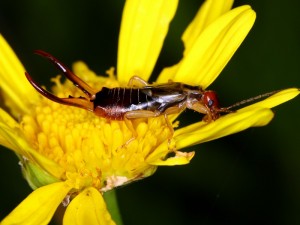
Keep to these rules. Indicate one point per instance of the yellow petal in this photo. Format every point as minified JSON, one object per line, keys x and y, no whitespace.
{"x":87,"y":208}
{"x":6,"y":122}
{"x":208,"y":13}
{"x":39,"y":207}
{"x":180,"y":158}
{"x":212,"y":49}
{"x":16,"y":89}
{"x":226,"y":125}
{"x":10,"y":137}
{"x":158,"y":157}
{"x":143,"y":30}
{"x":274,"y":100}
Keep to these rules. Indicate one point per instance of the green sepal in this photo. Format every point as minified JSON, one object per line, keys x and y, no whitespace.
{"x":35,"y":175}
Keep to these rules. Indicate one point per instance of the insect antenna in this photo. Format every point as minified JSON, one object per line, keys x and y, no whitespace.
{"x":249,"y":100}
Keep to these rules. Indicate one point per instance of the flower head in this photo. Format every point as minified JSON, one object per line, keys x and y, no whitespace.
{"x":71,"y":154}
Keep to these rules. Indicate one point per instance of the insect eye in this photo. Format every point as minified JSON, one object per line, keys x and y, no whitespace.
{"x":210,"y":103}
{"x":210,"y":99}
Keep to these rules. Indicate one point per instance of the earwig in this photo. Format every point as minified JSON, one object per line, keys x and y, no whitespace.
{"x":139,"y":99}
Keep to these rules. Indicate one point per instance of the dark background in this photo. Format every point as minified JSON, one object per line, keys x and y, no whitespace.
{"x":248,"y":178}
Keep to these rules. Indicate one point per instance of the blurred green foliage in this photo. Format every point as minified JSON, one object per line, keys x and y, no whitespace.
{"x":248,"y":178}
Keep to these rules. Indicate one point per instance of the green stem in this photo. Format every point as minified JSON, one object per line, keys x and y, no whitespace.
{"x":110,"y":198}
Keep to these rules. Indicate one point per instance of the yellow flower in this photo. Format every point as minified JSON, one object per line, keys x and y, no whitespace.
{"x":70,"y":154}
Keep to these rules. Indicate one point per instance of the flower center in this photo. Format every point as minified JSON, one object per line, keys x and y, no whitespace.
{"x":93,"y":151}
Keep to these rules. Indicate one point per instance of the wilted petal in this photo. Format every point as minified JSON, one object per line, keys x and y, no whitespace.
{"x":180,"y":158}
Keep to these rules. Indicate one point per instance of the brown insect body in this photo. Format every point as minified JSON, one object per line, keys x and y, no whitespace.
{"x":138,"y":100}
{"x":115,"y":103}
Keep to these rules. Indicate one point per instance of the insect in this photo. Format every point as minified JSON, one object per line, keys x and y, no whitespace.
{"x":139,"y":99}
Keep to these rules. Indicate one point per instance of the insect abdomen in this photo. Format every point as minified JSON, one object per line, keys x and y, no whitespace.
{"x":115,"y":102}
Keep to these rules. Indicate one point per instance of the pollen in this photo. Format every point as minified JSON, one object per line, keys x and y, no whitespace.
{"x":94,"y":151}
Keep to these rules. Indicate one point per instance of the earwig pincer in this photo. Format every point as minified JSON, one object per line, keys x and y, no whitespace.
{"x":139,"y":99}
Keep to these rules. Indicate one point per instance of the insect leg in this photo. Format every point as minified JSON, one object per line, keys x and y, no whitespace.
{"x":201,"y":108}
{"x":136,"y":115}
{"x":137,"y":81}
{"x":149,"y":114}
{"x":129,"y":125}
{"x":141,"y":114}
{"x":172,"y":110}
{"x":69,"y":74}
